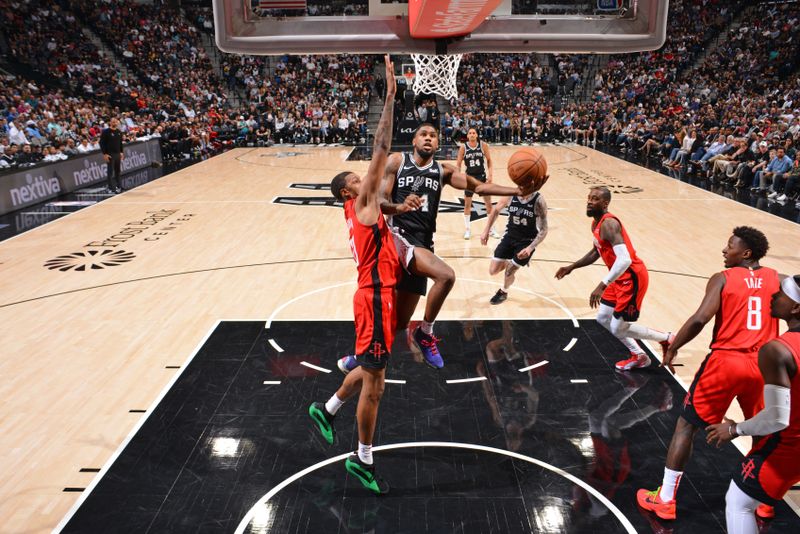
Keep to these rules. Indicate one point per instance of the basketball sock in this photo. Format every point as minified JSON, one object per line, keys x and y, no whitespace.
{"x":643,"y":332}
{"x":670,"y":484}
{"x":365,"y":453}
{"x":333,"y":404}
{"x":426,"y":327}
{"x":631,"y":345}
{"x":466,"y":221}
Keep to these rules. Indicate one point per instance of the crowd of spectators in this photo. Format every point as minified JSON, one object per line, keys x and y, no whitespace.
{"x":662,"y":104}
{"x":44,"y":34}
{"x":659,"y":105}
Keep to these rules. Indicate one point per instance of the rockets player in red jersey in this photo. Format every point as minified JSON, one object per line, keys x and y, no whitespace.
{"x":738,"y":298}
{"x":772,"y":466}
{"x":619,"y":295}
{"x":378,"y":266}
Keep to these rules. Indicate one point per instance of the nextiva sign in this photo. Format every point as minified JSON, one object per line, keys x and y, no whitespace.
{"x":36,"y":184}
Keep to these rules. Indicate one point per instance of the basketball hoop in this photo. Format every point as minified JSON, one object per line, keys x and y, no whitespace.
{"x":436,"y":74}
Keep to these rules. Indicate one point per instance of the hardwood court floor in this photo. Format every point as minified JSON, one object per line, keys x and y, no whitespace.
{"x":98,"y":308}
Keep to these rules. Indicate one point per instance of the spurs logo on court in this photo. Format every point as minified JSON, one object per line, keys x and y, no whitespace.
{"x":598,"y":178}
{"x":478,"y":208}
{"x":747,"y":469}
{"x":89,"y":260}
{"x":377,"y":349}
{"x":284,"y":154}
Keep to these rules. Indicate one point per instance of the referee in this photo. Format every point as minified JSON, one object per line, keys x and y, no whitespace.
{"x":111,"y":145}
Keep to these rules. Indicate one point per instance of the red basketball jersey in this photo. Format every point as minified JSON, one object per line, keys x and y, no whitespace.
{"x":743,"y":321}
{"x":792,"y":341}
{"x":606,"y":249}
{"x":373,"y":249}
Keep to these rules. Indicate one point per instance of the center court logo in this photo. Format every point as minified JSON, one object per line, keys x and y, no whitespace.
{"x":445,"y":206}
{"x":89,"y":260}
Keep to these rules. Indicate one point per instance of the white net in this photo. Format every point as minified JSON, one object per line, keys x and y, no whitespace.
{"x":436,"y":74}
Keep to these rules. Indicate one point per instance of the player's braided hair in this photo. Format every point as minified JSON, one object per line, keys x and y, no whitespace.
{"x":755,"y":240}
{"x":338,"y":183}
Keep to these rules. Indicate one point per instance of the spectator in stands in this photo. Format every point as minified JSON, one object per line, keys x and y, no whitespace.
{"x":774,"y":174}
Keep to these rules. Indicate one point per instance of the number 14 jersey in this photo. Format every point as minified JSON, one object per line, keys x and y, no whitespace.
{"x":743,"y":321}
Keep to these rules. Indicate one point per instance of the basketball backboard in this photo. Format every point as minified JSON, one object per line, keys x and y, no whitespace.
{"x":271,"y":27}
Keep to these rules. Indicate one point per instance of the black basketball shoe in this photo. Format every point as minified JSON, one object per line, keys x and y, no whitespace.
{"x":499,"y":297}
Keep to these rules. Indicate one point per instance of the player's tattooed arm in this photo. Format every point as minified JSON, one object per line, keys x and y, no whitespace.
{"x":540,"y":209}
{"x":388,"y":207}
{"x":383,"y":142}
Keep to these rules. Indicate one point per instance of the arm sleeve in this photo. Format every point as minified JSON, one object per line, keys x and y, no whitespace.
{"x":773,"y":418}
{"x":621,"y":264}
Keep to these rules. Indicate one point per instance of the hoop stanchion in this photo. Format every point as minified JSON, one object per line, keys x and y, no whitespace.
{"x":436,"y":74}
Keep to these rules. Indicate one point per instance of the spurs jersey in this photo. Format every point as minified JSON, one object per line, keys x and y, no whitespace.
{"x":743,"y":321}
{"x":474,"y":160}
{"x":522,"y":218}
{"x":373,"y":249}
{"x":425,"y":182}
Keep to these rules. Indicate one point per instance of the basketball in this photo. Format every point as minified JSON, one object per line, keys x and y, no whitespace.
{"x":527,"y":166}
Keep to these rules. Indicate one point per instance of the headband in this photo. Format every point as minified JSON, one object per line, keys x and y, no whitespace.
{"x":791,"y":288}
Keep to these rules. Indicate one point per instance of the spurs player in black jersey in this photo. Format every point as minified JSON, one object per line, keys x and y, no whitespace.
{"x":527,"y":227}
{"x":420,"y":174}
{"x":475,"y":154}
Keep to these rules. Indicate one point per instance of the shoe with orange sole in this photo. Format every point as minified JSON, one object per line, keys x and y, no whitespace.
{"x":651,"y":501}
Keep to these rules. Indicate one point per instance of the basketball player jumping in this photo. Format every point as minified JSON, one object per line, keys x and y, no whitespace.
{"x":526,"y":228}
{"x":378,"y":267}
{"x":619,"y":295}
{"x":738,"y":298}
{"x":475,"y":153}
{"x":772,"y":467}
{"x":418,"y":173}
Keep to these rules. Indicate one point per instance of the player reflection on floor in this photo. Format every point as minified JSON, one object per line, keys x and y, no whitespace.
{"x":514,"y":402}
{"x":513,"y":399}
{"x":611,"y":464}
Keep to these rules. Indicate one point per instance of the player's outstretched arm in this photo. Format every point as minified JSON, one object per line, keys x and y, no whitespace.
{"x":460,"y":180}
{"x":500,"y":206}
{"x":383,"y":142}
{"x":590,"y":257}
{"x":694,"y":324}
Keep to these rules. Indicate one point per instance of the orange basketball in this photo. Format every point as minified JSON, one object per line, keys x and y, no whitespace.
{"x":526,"y":166}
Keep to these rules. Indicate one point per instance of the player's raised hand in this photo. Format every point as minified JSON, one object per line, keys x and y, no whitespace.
{"x":563,"y":271}
{"x":411,"y":203}
{"x":391,"y":85}
{"x":720,"y":433}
